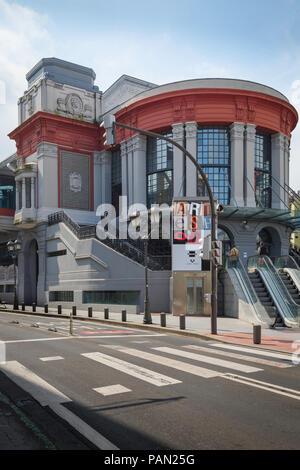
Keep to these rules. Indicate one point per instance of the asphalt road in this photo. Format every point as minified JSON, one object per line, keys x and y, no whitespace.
{"x":133,"y":390}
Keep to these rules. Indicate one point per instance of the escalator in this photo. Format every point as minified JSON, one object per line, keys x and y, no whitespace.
{"x":291,"y":286}
{"x":272,"y":290}
{"x":289,"y":272}
{"x":254,"y":306}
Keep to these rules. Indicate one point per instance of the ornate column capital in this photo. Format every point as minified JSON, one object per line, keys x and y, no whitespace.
{"x":191,"y":130}
{"x":100,"y":158}
{"x":237,"y":131}
{"x":278,"y":141}
{"x":138,"y":142}
{"x":178,"y":132}
{"x":250,"y":132}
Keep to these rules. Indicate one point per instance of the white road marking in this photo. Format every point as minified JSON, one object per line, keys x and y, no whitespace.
{"x":164,"y":361}
{"x":209,"y":360}
{"x":47,"y":395}
{"x":259,"y":352}
{"x":288,"y":392}
{"x":83,"y":428}
{"x":239,"y":356}
{"x":112,"y":390}
{"x":51,"y":358}
{"x":131,"y":369}
{"x":41,"y":390}
{"x":77,"y":337}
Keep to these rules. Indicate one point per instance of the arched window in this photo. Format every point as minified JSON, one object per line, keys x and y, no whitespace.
{"x":213,"y":154}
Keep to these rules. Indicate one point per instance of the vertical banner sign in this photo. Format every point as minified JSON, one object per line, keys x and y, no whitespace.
{"x":191,"y":234}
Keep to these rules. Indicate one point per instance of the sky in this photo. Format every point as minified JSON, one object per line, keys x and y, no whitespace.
{"x":159,"y":41}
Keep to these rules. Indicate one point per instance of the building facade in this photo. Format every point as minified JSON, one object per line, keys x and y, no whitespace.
{"x":239,"y":131}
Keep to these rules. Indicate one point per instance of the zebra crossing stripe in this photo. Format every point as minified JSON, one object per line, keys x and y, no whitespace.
{"x":258,"y":360}
{"x":172,"y":363}
{"x":138,"y":372}
{"x":209,"y":360}
{"x":256,"y":351}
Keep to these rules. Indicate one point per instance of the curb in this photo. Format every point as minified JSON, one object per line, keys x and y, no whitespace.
{"x":139,"y":326}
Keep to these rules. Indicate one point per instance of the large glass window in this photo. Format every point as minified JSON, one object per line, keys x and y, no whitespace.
{"x":262,"y":176}
{"x":159,"y":171}
{"x":7,"y":192}
{"x":116,"y":179}
{"x":213,"y":154}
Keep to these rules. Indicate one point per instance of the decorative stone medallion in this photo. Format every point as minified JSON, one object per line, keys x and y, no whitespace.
{"x":75,"y":182}
{"x":74,"y":104}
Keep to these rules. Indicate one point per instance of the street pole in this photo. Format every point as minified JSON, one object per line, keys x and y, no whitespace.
{"x":16,"y":302}
{"x":147,"y":315}
{"x":212,"y":209}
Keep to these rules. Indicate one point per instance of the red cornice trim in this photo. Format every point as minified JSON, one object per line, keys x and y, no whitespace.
{"x":7,"y":212}
{"x":209,"y":106}
{"x":66,"y":132}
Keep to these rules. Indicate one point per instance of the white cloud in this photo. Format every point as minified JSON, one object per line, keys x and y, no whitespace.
{"x":22,"y":35}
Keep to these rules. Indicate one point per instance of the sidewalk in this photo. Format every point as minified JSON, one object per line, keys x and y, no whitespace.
{"x":229,"y":329}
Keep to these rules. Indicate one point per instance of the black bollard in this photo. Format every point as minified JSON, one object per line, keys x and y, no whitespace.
{"x":74,"y":311}
{"x":123,"y":315}
{"x":46,"y":308}
{"x":59,"y":309}
{"x":182,"y":322}
{"x":106,"y":313}
{"x":163,"y":321}
{"x":23,"y":307}
{"x":34,"y":307}
{"x":90,"y":312}
{"x":256,"y":334}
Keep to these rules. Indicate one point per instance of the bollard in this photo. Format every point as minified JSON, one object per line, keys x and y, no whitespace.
{"x":34,"y":307}
{"x":163,"y":319}
{"x":71,"y":323}
{"x":106,"y":313}
{"x":74,"y":311}
{"x":123,"y":315}
{"x":90,"y":312}
{"x":59,"y":309}
{"x":256,"y":334}
{"x":46,"y":308}
{"x":23,"y":307}
{"x":182,"y":322}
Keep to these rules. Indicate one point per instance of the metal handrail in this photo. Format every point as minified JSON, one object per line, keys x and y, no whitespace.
{"x":287,"y":308}
{"x":262,"y":313}
{"x":132,"y":249}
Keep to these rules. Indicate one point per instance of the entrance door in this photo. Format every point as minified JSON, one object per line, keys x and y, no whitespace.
{"x":194,"y":296}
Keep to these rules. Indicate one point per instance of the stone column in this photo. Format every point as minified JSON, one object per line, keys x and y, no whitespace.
{"x":32,"y":182}
{"x":179,"y":182}
{"x":249,"y":165}
{"x":23,"y":193}
{"x":237,"y":164}
{"x":123,"y":148}
{"x":191,"y":146}
{"x":130,"y":166}
{"x":139,"y":182}
{"x":106,"y":176}
{"x":286,"y":169}
{"x":278,"y":151}
{"x":17,"y":195}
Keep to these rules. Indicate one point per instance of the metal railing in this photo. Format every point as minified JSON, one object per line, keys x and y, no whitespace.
{"x":263,"y":314}
{"x":287,"y":308}
{"x":133,"y":249}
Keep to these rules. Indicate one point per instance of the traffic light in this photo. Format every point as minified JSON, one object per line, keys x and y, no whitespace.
{"x":216,"y":253}
{"x":109,"y":125}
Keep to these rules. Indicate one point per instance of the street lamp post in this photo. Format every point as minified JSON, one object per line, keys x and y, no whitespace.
{"x":13,"y":249}
{"x":110,"y":124}
{"x":147,"y":314}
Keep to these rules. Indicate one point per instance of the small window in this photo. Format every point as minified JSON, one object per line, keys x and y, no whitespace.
{"x":61,"y":296}
{"x":51,"y":254}
{"x":10,"y":288}
{"x":111,"y":297}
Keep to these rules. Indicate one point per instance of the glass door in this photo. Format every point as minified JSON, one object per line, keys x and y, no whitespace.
{"x":194,"y":296}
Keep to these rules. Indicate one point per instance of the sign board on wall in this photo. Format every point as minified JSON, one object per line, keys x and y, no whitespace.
{"x":191,"y":234}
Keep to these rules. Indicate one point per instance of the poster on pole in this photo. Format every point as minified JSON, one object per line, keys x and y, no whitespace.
{"x":191,"y":234}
